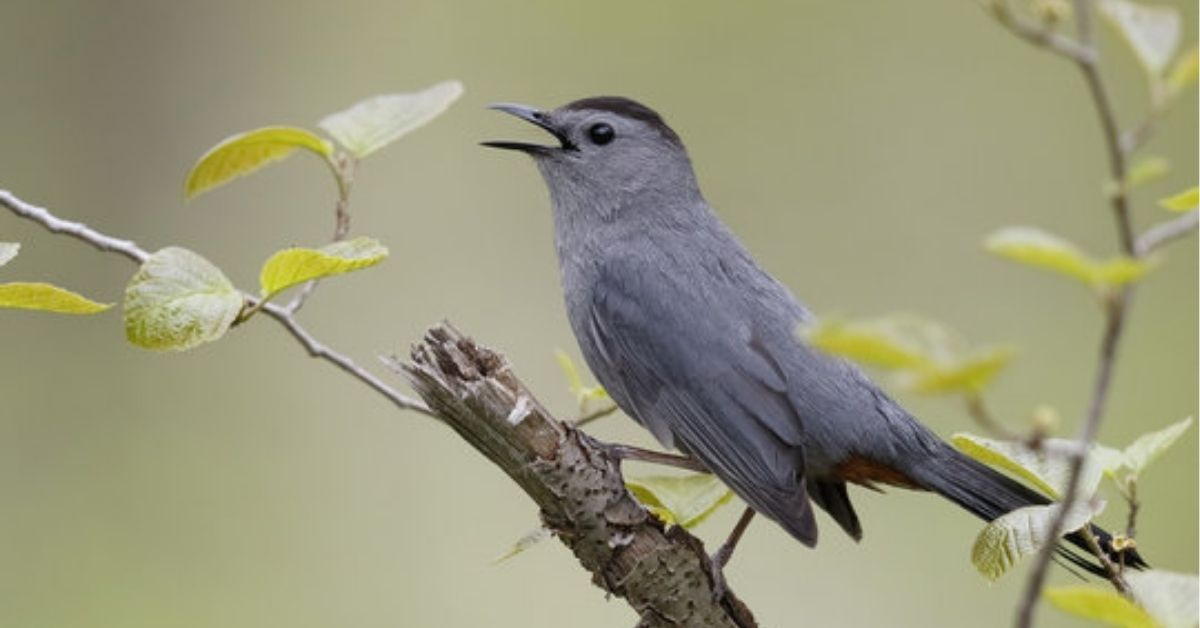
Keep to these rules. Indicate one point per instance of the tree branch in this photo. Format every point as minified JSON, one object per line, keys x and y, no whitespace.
{"x":281,"y":314}
{"x":663,"y":572}
{"x":1115,"y":311}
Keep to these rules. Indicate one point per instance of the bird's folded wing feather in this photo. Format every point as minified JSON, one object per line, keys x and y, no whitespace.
{"x":705,"y":380}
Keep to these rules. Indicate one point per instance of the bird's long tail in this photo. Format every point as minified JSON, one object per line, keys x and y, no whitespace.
{"x":989,"y":494}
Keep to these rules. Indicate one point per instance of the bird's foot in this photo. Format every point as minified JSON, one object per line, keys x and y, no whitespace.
{"x":716,"y":570}
{"x":622,"y":453}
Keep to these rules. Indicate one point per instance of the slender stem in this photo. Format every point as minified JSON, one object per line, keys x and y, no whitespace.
{"x":284,"y":316}
{"x":978,"y":411}
{"x":1135,"y":505}
{"x":77,"y":230}
{"x":1091,"y":424}
{"x":1111,"y":569}
{"x":342,"y":165}
{"x":1166,"y":231}
{"x":1112,"y":140}
{"x":595,"y":414}
{"x":1042,"y":35}
{"x":317,"y":349}
{"x":1086,"y":58}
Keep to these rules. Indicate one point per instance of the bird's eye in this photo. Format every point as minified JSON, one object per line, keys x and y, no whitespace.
{"x":601,"y":133}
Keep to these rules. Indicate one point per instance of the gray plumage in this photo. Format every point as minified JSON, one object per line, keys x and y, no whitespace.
{"x":697,"y":343}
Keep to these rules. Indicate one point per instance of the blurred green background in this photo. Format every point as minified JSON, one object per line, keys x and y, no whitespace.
{"x":861,"y":149}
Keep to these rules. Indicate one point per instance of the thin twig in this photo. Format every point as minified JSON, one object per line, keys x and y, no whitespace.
{"x":281,"y":314}
{"x":317,"y":349}
{"x":1166,"y":231}
{"x":1133,"y":139}
{"x":1131,"y":497}
{"x":1087,"y":61}
{"x":78,"y":230}
{"x":1091,"y":425}
{"x":1116,"y":156}
{"x":343,"y":172}
{"x":1113,"y":570}
{"x":1042,"y":35}
{"x":599,"y":413}
{"x":978,"y":411}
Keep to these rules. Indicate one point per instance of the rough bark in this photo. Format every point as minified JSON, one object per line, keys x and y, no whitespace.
{"x":662,"y":572}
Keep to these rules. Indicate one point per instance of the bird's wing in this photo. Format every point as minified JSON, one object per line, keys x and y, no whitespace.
{"x":708,"y":381}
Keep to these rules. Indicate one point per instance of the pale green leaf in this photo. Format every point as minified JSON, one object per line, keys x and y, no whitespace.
{"x":583,"y":394}
{"x":1035,"y":247}
{"x":1024,"y":531}
{"x":1148,"y":447}
{"x":1048,"y":467}
{"x":1102,"y":605}
{"x":1184,"y":72}
{"x":376,"y":122}
{"x":1169,"y":597}
{"x":1120,"y":271}
{"x":970,"y":375}
{"x":869,"y":342}
{"x":8,"y":250}
{"x":574,"y":382}
{"x":293,"y":266}
{"x":680,"y":499}
{"x":1146,"y":171}
{"x":178,"y":300}
{"x":1039,"y":249}
{"x":47,"y":298}
{"x":1186,"y":200}
{"x":1153,"y":32}
{"x":244,"y":153}
{"x":533,"y":537}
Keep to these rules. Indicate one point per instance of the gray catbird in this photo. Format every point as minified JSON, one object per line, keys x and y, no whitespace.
{"x":697,"y":343}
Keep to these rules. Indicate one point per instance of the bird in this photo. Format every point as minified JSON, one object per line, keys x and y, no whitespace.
{"x":696,"y":342}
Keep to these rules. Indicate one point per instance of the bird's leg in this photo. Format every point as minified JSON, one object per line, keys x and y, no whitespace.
{"x":629,"y":452}
{"x":721,"y":557}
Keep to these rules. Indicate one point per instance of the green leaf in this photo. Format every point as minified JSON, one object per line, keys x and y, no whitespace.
{"x":583,"y":394}
{"x":680,"y":499}
{"x":1186,"y":200}
{"x":47,"y":298}
{"x":1169,"y":597}
{"x":376,"y":122}
{"x":1139,"y":454}
{"x":1152,"y":32}
{"x":925,"y":356}
{"x":1146,"y":171}
{"x":1102,"y":605}
{"x":1039,"y":249}
{"x":293,"y":266}
{"x":869,"y":342}
{"x":8,"y":250}
{"x":178,"y":300}
{"x":244,"y":153}
{"x":533,"y":537}
{"x":971,"y":375}
{"x":1048,"y":467}
{"x":1024,"y":531}
{"x":1184,"y":72}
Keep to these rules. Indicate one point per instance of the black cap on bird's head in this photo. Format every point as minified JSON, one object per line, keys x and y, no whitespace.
{"x":612,"y":152}
{"x":596,"y":121}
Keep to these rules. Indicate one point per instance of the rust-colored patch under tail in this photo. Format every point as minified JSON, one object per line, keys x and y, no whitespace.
{"x":868,"y":473}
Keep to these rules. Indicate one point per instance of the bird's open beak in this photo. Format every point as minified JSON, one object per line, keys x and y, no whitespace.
{"x":534,"y":116}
